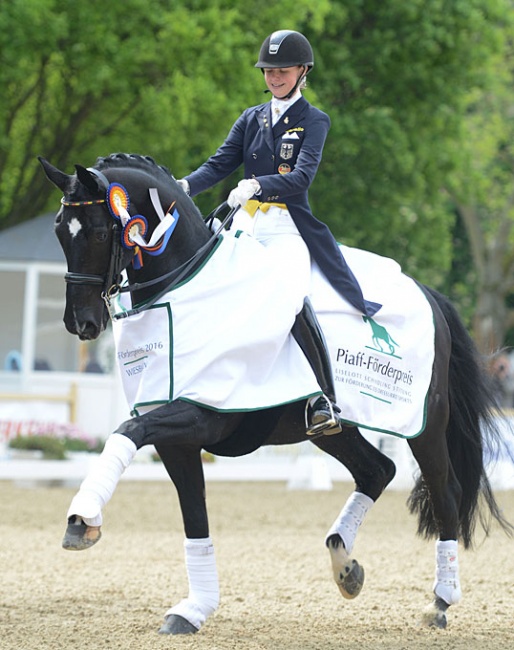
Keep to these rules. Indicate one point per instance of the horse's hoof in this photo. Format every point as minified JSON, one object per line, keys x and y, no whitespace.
{"x":435,"y":614}
{"x":174,"y":624}
{"x":79,"y":536}
{"x":350,"y":580}
{"x":348,"y":574}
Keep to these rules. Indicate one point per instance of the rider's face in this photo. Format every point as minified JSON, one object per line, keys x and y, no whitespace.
{"x":281,"y":81}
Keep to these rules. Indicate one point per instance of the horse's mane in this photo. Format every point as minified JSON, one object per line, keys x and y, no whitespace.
{"x":147,"y":164}
{"x":137,"y":161}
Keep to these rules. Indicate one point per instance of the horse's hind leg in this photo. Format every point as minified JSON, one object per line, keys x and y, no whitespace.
{"x":372,"y":472}
{"x":348,"y":573}
{"x":438,"y":515}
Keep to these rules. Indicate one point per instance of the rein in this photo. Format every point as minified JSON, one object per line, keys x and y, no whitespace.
{"x":111,"y":280}
{"x":182,"y":271}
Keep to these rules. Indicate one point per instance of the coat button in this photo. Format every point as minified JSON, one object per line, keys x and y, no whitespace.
{"x":254,"y":156}
{"x":273,"y":157}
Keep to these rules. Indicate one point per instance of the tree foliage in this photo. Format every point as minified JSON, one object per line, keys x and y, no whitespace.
{"x":418,"y":92}
{"x":153,"y":76}
{"x":396,"y":77}
{"x":482,"y":192}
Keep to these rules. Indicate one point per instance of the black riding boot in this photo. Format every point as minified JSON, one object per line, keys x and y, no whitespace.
{"x":321,"y":411}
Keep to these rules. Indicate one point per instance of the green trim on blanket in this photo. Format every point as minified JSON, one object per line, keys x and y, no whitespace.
{"x":206,"y":260}
{"x":135,"y":411}
{"x":249,"y":410}
{"x":157,"y":403}
{"x":392,"y":433}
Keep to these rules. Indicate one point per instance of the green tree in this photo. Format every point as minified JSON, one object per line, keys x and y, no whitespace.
{"x":482,"y":192}
{"x":419,"y":94}
{"x":160,"y":77}
{"x":396,"y":79}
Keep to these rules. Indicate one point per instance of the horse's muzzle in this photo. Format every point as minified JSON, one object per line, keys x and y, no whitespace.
{"x":87,"y":324}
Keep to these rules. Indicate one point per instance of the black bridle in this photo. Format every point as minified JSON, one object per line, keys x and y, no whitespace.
{"x":111,"y":281}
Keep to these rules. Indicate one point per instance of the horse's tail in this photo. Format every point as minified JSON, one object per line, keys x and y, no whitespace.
{"x":472,"y":431}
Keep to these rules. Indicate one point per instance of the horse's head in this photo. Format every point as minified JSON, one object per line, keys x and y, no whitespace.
{"x":85,"y":230}
{"x":100,"y":237}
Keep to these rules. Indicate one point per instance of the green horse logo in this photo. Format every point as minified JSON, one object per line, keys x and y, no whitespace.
{"x":379,"y":333}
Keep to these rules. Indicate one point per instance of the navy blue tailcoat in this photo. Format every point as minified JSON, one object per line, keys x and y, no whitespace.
{"x":285,"y":159}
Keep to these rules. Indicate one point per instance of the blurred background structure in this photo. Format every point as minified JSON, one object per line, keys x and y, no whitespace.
{"x":46,"y":374}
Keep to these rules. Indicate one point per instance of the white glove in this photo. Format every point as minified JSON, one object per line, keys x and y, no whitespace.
{"x":184,"y":185}
{"x":215,"y":224}
{"x":245,"y":190}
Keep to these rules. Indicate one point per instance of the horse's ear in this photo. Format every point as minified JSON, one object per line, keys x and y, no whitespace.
{"x":58,"y":178}
{"x":88,"y":179}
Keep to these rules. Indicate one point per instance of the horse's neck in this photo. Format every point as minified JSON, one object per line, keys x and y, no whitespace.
{"x":189,"y":235}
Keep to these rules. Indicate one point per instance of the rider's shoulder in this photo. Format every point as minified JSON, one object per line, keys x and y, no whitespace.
{"x":258,"y":108}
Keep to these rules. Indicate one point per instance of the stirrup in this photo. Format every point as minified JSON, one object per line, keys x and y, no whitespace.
{"x":328,"y":427}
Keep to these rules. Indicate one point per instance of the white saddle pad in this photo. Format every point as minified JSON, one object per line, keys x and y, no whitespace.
{"x":382,"y":365}
{"x":222,"y":340}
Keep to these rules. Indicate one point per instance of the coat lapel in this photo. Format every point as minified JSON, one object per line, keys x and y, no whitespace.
{"x":291,"y":117}
{"x":263,"y":115}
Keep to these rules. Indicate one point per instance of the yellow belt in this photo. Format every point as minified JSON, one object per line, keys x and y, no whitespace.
{"x":253,"y":205}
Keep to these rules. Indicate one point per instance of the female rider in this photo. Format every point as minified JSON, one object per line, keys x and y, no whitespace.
{"x":280,"y":144}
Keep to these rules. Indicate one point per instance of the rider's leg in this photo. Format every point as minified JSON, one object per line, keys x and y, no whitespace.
{"x":276,"y":229}
{"x":321,"y":410}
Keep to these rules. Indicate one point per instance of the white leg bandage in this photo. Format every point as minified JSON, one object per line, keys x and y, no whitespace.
{"x":447,"y":583}
{"x":204,"y":592}
{"x":101,"y":481}
{"x":350,"y":519}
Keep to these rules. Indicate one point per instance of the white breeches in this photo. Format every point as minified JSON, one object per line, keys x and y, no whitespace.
{"x":276,"y":230}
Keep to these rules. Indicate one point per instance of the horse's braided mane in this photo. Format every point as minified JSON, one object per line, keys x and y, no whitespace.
{"x":146,"y":163}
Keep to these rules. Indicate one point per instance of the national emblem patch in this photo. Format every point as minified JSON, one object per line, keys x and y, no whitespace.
{"x":286,"y":150}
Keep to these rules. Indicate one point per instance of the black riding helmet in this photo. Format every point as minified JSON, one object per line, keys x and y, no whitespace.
{"x":285,"y":49}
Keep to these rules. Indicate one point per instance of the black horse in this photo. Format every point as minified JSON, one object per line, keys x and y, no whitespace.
{"x":452,"y":491}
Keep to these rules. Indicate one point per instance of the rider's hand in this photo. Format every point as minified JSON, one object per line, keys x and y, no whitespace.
{"x":243,"y":192}
{"x":184,"y":185}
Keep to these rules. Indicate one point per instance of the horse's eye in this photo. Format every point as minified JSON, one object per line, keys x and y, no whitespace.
{"x":101,"y":236}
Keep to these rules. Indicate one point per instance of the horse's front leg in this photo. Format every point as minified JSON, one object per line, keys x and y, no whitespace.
{"x":178,"y":430}
{"x":85,"y":511}
{"x":184,"y":465}
{"x":176,"y":424}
